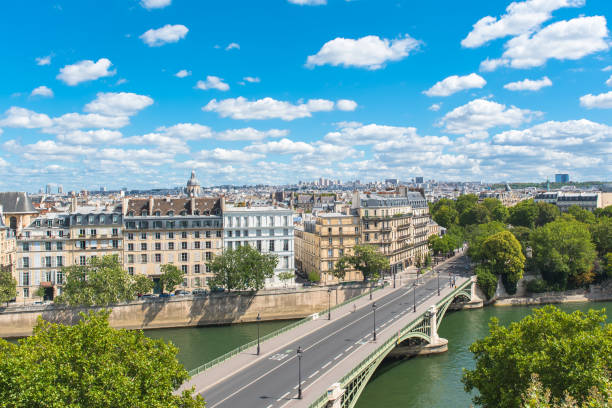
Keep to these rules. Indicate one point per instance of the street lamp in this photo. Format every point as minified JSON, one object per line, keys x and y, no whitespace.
{"x":258,"y":319}
{"x":438,"y":283}
{"x":374,"y":314}
{"x":299,"y":354}
{"x":394,"y":267}
{"x":329,"y":303}
{"x":414,"y":297}
{"x":370,"y":290}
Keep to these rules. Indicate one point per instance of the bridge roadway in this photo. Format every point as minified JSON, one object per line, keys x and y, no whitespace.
{"x":270,"y":380}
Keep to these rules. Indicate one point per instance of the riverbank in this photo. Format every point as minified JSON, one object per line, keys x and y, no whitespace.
{"x":595,"y":293}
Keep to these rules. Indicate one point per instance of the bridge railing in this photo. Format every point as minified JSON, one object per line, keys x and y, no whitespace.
{"x":268,"y":336}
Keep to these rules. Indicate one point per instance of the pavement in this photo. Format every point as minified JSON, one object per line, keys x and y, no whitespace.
{"x":331,"y":348}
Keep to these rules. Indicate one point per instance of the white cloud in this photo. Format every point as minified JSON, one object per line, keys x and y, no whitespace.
{"x":90,"y":137}
{"x":602,"y":101}
{"x":607,"y":68}
{"x":267,"y":108}
{"x":358,"y":134}
{"x":520,"y":18}
{"x":118,"y":104}
{"x":250,"y":134}
{"x":476,"y":117}
{"x":370,"y":52}
{"x":251,"y":79}
{"x":70,"y":121}
{"x":164,"y":35}
{"x":24,"y":118}
{"x":489,"y":65}
{"x":283,"y":146}
{"x":43,"y":60}
{"x":346,"y":105}
{"x":563,"y":40}
{"x":609,"y":81}
{"x":454,"y":83}
{"x":154,"y":4}
{"x":42,"y":91}
{"x":557,"y":134}
{"x":220,"y":154}
{"x":232,"y":46}
{"x":529,"y":84}
{"x":213,"y":82}
{"x":187,"y":131}
{"x":86,"y":70}
{"x":435,"y":107}
{"x":308,"y":2}
{"x":182,"y":73}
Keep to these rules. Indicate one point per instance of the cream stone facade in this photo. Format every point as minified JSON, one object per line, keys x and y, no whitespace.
{"x":8,"y":245}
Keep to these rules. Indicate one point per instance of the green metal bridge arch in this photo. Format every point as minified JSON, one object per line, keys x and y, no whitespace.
{"x":355,"y":381}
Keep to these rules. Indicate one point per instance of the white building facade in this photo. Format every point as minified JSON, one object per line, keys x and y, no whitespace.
{"x":267,"y":229}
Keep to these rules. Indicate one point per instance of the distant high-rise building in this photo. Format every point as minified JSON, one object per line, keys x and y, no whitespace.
{"x":562,"y":178}
{"x":60,"y":189}
{"x":418,"y":180}
{"x":48,"y":189}
{"x":391,"y":181}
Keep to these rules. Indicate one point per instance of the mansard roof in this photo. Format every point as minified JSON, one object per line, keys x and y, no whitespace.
{"x":16,"y":203}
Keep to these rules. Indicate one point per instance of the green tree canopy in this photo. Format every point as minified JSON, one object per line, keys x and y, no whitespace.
{"x":570,"y":353}
{"x":523,"y":214}
{"x":503,"y":255}
{"x":477,"y":214}
{"x":498,"y":211}
{"x":91,"y":365}
{"x":581,"y":215}
{"x":142,"y":284}
{"x":242,"y":268}
{"x":563,"y":253}
{"x":170,"y":278}
{"x":537,"y":396}
{"x":601,"y":233}
{"x":366,"y":259}
{"x":8,"y":285}
{"x":478,"y":233}
{"x":446,"y":216}
{"x":547,"y":212}
{"x":603,"y":212}
{"x":465,"y":202}
{"x":101,"y":282}
{"x":437,"y":245}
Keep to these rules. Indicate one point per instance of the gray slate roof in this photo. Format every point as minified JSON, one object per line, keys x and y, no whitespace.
{"x":16,"y":202}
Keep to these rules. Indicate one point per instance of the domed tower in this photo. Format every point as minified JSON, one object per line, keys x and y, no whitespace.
{"x":193,"y":186}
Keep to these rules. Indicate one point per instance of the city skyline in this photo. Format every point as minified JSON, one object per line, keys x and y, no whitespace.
{"x":139,"y":93}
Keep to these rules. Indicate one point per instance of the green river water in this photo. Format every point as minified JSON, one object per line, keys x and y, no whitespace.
{"x":433,"y":381}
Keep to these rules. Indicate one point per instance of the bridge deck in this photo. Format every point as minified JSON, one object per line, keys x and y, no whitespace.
{"x":331,"y":349}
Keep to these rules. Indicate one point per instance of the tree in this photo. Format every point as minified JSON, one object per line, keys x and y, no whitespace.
{"x":538,"y":397}
{"x":523,"y":214}
{"x":503,"y":255}
{"x":171,"y":277}
{"x":562,"y":251}
{"x":497,"y":210}
{"x":446,"y":216}
{"x":603,"y":212}
{"x":601,"y":233}
{"x":478,"y":214}
{"x":465,"y":202}
{"x":91,"y":365}
{"x":571,"y":353}
{"x":547,"y":212}
{"x":286,"y":276}
{"x":486,"y":280}
{"x":581,"y":214}
{"x":142,"y":284}
{"x":8,"y":286}
{"x":242,"y":268}
{"x":101,"y":282}
{"x":366,"y":259}
{"x":478,"y":233}
{"x":427,"y":261}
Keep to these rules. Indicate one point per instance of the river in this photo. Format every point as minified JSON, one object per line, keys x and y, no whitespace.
{"x":433,"y":381}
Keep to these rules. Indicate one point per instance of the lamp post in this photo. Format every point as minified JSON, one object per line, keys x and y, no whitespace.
{"x":438,"y":283}
{"x":370,"y":290}
{"x":414,"y":297}
{"x":299,"y":354}
{"x":329,"y":303}
{"x":258,"y":319}
{"x":374,"y":314}
{"x":394,"y":276}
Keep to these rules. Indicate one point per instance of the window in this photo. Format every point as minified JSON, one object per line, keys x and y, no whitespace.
{"x":196,"y":234}
{"x":48,"y":261}
{"x":79,"y":219}
{"x":26,"y":246}
{"x":271,"y":247}
{"x":157,"y":258}
{"x":196,"y":269}
{"x":286,"y":245}
{"x":340,"y":230}
{"x":259,"y":245}
{"x":229,"y":234}
{"x":218,"y":234}
{"x":59,"y":277}
{"x":184,"y":256}
{"x":171,"y":245}
{"x":130,"y":247}
{"x":171,"y":235}
{"x":81,"y":244}
{"x":143,"y":258}
{"x":329,"y":240}
{"x":115,"y":219}
{"x":258,"y":233}
{"x":130,"y":236}
{"x":329,"y":230}
{"x":208,"y":244}
{"x":60,"y":260}
{"x":144,"y":213}
{"x":26,"y":292}
{"x":48,"y":276}
{"x":61,"y":233}
{"x":82,"y":260}
{"x":184,"y":235}
{"x":26,"y":262}
{"x":47,"y":246}
{"x":115,"y":243}
{"x":157,"y":235}
{"x":130,"y":258}
{"x":341,"y":252}
{"x":81,"y":233}
{"x":158,"y":246}
{"x":184,"y":269}
{"x":157,"y":213}
{"x":237,"y":233}
{"x":330,"y":252}
{"x":229,"y":245}
{"x":143,"y":246}
{"x":330,"y":265}
{"x":207,"y":234}
{"x":208,"y":256}
{"x":183,"y":245}
{"x":49,"y":234}
{"x":131,"y":270}
{"x":341,"y":240}
{"x":143,"y":235}
{"x":196,"y":245}
{"x":245,"y":233}
{"x":367,"y":237}
{"x":170,"y":213}
{"x":91,"y":219}
{"x":366,"y":225}
{"x":59,"y":246}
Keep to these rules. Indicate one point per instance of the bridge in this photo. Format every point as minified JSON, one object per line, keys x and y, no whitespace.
{"x":337,"y":356}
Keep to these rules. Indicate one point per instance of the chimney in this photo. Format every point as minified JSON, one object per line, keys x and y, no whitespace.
{"x":73,"y":203}
{"x":222,"y":203}
{"x":124,"y":205}
{"x":151,"y":205}
{"x":193,"y":204}
{"x":356,"y":203}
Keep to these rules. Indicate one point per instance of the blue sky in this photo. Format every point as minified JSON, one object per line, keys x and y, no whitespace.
{"x":138,"y":93}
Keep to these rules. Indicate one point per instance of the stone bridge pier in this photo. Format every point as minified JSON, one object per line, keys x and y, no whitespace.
{"x":420,"y":347}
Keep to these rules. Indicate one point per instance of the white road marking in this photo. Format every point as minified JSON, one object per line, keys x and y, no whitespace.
{"x":283,"y":396}
{"x":347,"y":349}
{"x":326,"y":364}
{"x":269,"y":406}
{"x":338,"y":356}
{"x":313,"y":374}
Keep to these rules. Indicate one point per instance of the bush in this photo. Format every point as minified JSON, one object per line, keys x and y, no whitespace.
{"x":537,"y":286}
{"x":510,"y":283}
{"x":486,"y":280}
{"x":314,"y":277}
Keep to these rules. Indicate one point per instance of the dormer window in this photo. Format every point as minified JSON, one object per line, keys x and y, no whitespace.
{"x":131,"y":214}
{"x":144,"y":213}
{"x":170,"y":213}
{"x":157,"y":213}
{"x":183,"y":212}
{"x":101,"y":219}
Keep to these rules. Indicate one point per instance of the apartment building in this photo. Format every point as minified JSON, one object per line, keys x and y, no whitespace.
{"x":8,"y":245}
{"x":186,"y":232}
{"x":320,"y":243}
{"x":268,"y":229}
{"x":564,"y":200}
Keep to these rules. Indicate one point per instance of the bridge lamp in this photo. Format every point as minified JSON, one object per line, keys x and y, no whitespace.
{"x":329,"y":290}
{"x":374,"y":314}
{"x":258,"y":319}
{"x":438,"y":283}
{"x":414,"y":297}
{"x":299,"y":354}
